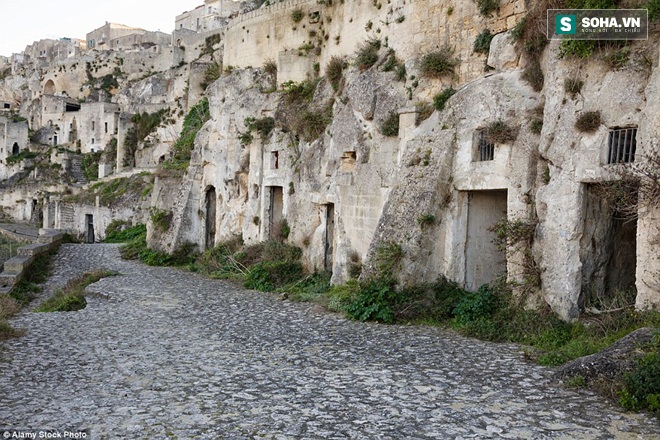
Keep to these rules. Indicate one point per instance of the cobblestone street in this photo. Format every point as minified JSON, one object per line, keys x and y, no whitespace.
{"x":162,"y":353}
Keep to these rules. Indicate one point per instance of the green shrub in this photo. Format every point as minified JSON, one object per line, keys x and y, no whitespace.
{"x":270,"y":275}
{"x":536,"y":125}
{"x":334,"y":71}
{"x":441,"y":98}
{"x":642,"y":385}
{"x":588,"y":122}
{"x":209,"y":42}
{"x":367,"y":54}
{"x":476,"y":306}
{"x":309,"y":288}
{"x":161,"y":219}
{"x":375,"y":301}
{"x":426,"y":220}
{"x":72,"y":296}
{"x":438,"y":64}
{"x":518,"y":30}
{"x":263,"y":126}
{"x":387,"y":259}
{"x":487,"y":6}
{"x":577,"y":48}
{"x":653,"y":7}
{"x":311,"y":124}
{"x":482,"y":42}
{"x":619,"y":58}
{"x":211,"y":75}
{"x":119,"y":231}
{"x":16,"y":158}
{"x":90,"y":165}
{"x":192,"y":123}
{"x":390,"y":125}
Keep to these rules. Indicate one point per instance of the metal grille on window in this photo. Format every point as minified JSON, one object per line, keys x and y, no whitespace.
{"x":485,"y":148}
{"x":621,"y":144}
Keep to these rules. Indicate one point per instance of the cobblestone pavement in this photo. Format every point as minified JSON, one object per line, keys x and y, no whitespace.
{"x":162,"y":353}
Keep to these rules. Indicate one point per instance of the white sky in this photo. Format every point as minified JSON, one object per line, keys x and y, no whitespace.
{"x":24,"y":22}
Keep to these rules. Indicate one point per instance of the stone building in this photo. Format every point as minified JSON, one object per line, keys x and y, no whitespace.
{"x":102,"y":38}
{"x":13,"y":140}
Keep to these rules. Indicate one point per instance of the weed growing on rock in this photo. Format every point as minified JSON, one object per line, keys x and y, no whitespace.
{"x":573,"y":86}
{"x":439,"y":63}
{"x":334,"y":71}
{"x":389,"y":126}
{"x":588,"y":122}
{"x":500,"y":132}
{"x":482,"y":42}
{"x":367,"y":54}
{"x":440,"y":100}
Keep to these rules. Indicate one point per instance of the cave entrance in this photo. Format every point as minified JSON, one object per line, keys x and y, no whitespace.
{"x":89,"y":221}
{"x":608,"y":247}
{"x":484,"y":262}
{"x":329,"y":238}
{"x":211,"y":208}
{"x":275,"y":209}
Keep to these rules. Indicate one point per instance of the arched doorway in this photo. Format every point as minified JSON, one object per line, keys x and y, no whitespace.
{"x":211,"y":205}
{"x":49,"y":87}
{"x":15,"y":149}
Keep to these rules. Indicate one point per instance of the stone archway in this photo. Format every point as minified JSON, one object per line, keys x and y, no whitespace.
{"x":211,"y":208}
{"x":49,"y":87}
{"x":15,"y":149}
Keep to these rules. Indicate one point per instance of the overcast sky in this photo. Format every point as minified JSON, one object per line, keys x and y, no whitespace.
{"x":24,"y":22}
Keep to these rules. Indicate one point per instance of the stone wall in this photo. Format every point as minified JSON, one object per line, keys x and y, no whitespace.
{"x":411,"y":28}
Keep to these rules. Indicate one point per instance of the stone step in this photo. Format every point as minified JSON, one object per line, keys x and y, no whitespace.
{"x":32,"y":250}
{"x":18,"y":264}
{"x":8,"y":280}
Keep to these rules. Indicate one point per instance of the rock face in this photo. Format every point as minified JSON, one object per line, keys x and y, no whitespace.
{"x":497,"y":156}
{"x":612,"y":362}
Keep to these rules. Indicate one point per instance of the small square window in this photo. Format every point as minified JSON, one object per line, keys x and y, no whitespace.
{"x":621,"y":145}
{"x":485,"y":148}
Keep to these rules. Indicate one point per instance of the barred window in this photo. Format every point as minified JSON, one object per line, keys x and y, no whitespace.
{"x":621,"y":144}
{"x":485,"y":148}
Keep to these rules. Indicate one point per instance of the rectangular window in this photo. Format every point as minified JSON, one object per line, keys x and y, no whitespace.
{"x":106,"y":127}
{"x":621,"y":145}
{"x":485,"y":148}
{"x":93,"y":125}
{"x":276,"y":160}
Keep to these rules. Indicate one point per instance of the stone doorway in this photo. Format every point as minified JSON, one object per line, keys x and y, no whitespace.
{"x":329,"y":239}
{"x":484,"y":262}
{"x":89,"y":221}
{"x":608,"y":249}
{"x":211,"y":209}
{"x":275,"y":209}
{"x":15,"y":149}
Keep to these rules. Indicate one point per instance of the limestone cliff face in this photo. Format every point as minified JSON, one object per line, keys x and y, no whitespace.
{"x":381,"y":189}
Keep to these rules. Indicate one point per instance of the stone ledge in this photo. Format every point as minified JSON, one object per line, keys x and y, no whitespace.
{"x":16,"y":267}
{"x":18,"y":264}
{"x":33,"y":250}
